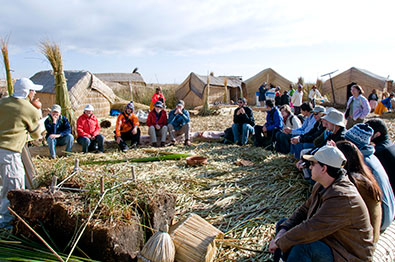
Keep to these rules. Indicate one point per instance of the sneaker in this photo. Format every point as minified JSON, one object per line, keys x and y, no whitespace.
{"x":162,"y":144}
{"x":134,"y":145}
{"x":187,"y":142}
{"x":172,"y":142}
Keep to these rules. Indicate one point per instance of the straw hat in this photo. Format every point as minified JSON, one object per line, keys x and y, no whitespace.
{"x":335,"y":117}
{"x":328,"y":155}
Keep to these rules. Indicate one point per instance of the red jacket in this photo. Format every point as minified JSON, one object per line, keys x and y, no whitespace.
{"x":88,"y":126}
{"x":152,"y":120}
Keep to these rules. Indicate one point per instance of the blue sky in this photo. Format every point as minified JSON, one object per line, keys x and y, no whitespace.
{"x":167,"y":40}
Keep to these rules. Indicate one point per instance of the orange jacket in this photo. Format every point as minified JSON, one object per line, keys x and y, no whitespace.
{"x":123,"y":125}
{"x":156,"y":98}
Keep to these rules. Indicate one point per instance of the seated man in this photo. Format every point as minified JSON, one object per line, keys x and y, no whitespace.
{"x":127,"y":128}
{"x":334,"y":123}
{"x":384,"y":147}
{"x":157,"y":124}
{"x":264,"y":135}
{"x":243,"y":122}
{"x":179,"y":123}
{"x":333,"y":224}
{"x":88,"y":130}
{"x":308,"y":124}
{"x":58,"y":131}
{"x":305,"y":141}
{"x":290,"y":121}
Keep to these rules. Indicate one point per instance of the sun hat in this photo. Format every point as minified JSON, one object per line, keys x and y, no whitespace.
{"x":180,"y":103}
{"x":319,"y":109}
{"x":130,"y":105}
{"x":335,"y":117}
{"x":328,"y":155}
{"x":56,"y":108}
{"x":158,"y":104}
{"x":89,"y":107}
{"x":359,"y":134}
{"x":23,"y":86}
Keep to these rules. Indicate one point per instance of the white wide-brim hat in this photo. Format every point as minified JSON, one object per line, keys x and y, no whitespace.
{"x":335,"y":117}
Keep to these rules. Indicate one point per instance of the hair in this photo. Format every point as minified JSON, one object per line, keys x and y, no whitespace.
{"x":306,"y":106}
{"x":269,"y":103}
{"x":158,"y":88}
{"x":378,"y":125}
{"x":242,"y":99}
{"x":359,"y":88}
{"x":358,"y":171}
{"x":392,"y":95}
{"x":333,"y":171}
{"x":286,"y":108}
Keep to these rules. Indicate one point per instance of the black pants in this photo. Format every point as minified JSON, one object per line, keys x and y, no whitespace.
{"x":261,"y":139}
{"x":135,"y":139}
{"x":296,"y":110}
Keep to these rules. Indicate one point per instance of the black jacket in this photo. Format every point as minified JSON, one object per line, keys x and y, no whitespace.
{"x":315,"y":132}
{"x":247,"y":118}
{"x":385,"y":152}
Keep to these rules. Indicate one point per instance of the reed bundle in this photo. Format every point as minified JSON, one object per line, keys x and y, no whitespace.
{"x":4,"y":51}
{"x":159,"y":248}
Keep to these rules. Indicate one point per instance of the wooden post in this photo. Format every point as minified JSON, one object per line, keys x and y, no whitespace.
{"x":133,"y":174}
{"x":53,"y":184}
{"x":76,"y":165}
{"x":102,"y":185}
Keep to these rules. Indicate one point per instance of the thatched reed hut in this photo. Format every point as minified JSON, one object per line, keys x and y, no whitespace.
{"x":342,"y":84}
{"x":267,"y":75}
{"x":84,"y":88}
{"x":193,"y":89}
{"x":122,"y":83}
{"x":3,"y":87}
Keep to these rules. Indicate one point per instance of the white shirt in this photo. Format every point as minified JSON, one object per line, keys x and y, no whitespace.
{"x":314,"y":94}
{"x":297,"y":98}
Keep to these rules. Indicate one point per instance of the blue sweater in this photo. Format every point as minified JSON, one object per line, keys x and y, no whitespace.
{"x":178,"y":120}
{"x":274,"y":120}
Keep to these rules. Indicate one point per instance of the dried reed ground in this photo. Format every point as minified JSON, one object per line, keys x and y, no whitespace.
{"x":243,"y":202}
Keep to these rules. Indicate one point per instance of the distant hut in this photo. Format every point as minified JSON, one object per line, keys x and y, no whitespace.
{"x":267,"y":75}
{"x":342,"y":84}
{"x":193,"y":89}
{"x":122,"y":83}
{"x":3,"y":88}
{"x":84,"y":88}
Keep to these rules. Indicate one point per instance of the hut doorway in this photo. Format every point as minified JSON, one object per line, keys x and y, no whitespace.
{"x":349,"y":90}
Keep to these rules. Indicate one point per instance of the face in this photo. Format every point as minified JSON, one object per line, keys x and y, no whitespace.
{"x":158,"y":109}
{"x":317,"y":116}
{"x":158,"y":91}
{"x":180,"y":107}
{"x":354,"y":91}
{"x":240,"y":103}
{"x":55,"y":114}
{"x":88,"y":112}
{"x":284,"y":113}
{"x":128,"y":111}
{"x":304,"y":113}
{"x":316,"y":170}
{"x":329,"y":126}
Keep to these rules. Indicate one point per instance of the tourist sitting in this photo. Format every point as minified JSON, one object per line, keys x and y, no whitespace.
{"x":243,"y":122}
{"x":179,"y":123}
{"x":384,"y":105}
{"x":88,"y":131}
{"x":58,"y":131}
{"x":357,"y":107}
{"x":333,"y":224}
{"x":373,"y":99}
{"x":360,"y":135}
{"x":361,"y":176}
{"x":305,"y":141}
{"x":384,"y":147}
{"x":334,"y":124}
{"x":158,"y":96}
{"x":157,"y":124}
{"x":265,"y":135}
{"x":127,"y":128}
{"x":290,"y":122}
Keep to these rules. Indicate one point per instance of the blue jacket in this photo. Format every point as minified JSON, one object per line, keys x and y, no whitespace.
{"x":274,"y":119}
{"x":61,"y":127}
{"x":387,"y":102}
{"x":178,"y":120}
{"x":308,"y":124}
{"x":387,"y":199}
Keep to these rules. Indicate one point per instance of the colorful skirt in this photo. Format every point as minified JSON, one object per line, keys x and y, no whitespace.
{"x":380,"y":109}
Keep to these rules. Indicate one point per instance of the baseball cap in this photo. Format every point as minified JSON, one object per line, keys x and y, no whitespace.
{"x":180,"y":103}
{"x":328,"y":155}
{"x":56,"y":108}
{"x":158,"y":104}
{"x":23,"y":86}
{"x":89,"y":107}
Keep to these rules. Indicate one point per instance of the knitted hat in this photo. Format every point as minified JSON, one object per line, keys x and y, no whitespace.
{"x":130,"y":105}
{"x":359,"y":134}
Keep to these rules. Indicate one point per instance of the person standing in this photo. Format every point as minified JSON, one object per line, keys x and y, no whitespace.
{"x":157,"y":124}
{"x":19,"y":116}
{"x":243,"y":122}
{"x":58,"y":131}
{"x":314,"y":94}
{"x":127,"y":128}
{"x":158,"y":96}
{"x":179,"y":123}
{"x":88,"y":131}
{"x":357,"y":107}
{"x":373,"y":99}
{"x":297,"y":99}
{"x":262,"y":94}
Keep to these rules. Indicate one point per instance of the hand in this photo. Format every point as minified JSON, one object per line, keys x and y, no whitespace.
{"x":264,"y":129}
{"x":134,"y":131}
{"x":242,"y":111}
{"x":272,"y":246}
{"x":287,"y":130}
{"x":331,"y":143}
{"x":36,"y":103}
{"x":295,"y":140}
{"x":119,"y":139}
{"x":178,"y":111}
{"x":55,"y":118}
{"x":53,"y":136}
{"x":299,"y":165}
{"x":92,"y":138}
{"x":157,"y":126}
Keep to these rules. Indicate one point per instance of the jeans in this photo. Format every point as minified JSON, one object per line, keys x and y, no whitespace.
{"x":316,"y":251}
{"x":63,"y":140}
{"x":283,"y":142}
{"x":90,"y":145}
{"x":296,"y":149}
{"x":246,"y":129}
{"x":154,"y":133}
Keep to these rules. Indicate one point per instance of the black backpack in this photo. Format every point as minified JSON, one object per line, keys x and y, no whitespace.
{"x":301,"y":118}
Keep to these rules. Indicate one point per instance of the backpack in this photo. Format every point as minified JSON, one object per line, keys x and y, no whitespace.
{"x":301,"y":118}
{"x":228,"y":135}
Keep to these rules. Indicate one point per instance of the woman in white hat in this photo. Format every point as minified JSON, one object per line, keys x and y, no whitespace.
{"x":88,"y":130}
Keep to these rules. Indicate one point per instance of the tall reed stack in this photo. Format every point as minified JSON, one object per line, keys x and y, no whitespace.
{"x":4,"y":51}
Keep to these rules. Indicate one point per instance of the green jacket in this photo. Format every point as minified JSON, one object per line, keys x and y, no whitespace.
{"x":18,"y":117}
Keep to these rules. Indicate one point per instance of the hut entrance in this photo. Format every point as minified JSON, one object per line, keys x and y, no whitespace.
{"x":234,"y":94}
{"x":349,"y":90}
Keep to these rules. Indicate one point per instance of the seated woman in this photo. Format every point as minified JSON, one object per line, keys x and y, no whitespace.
{"x":361,"y":176}
{"x":127,"y":128}
{"x":157,"y":124}
{"x":88,"y":131}
{"x":290,"y":122}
